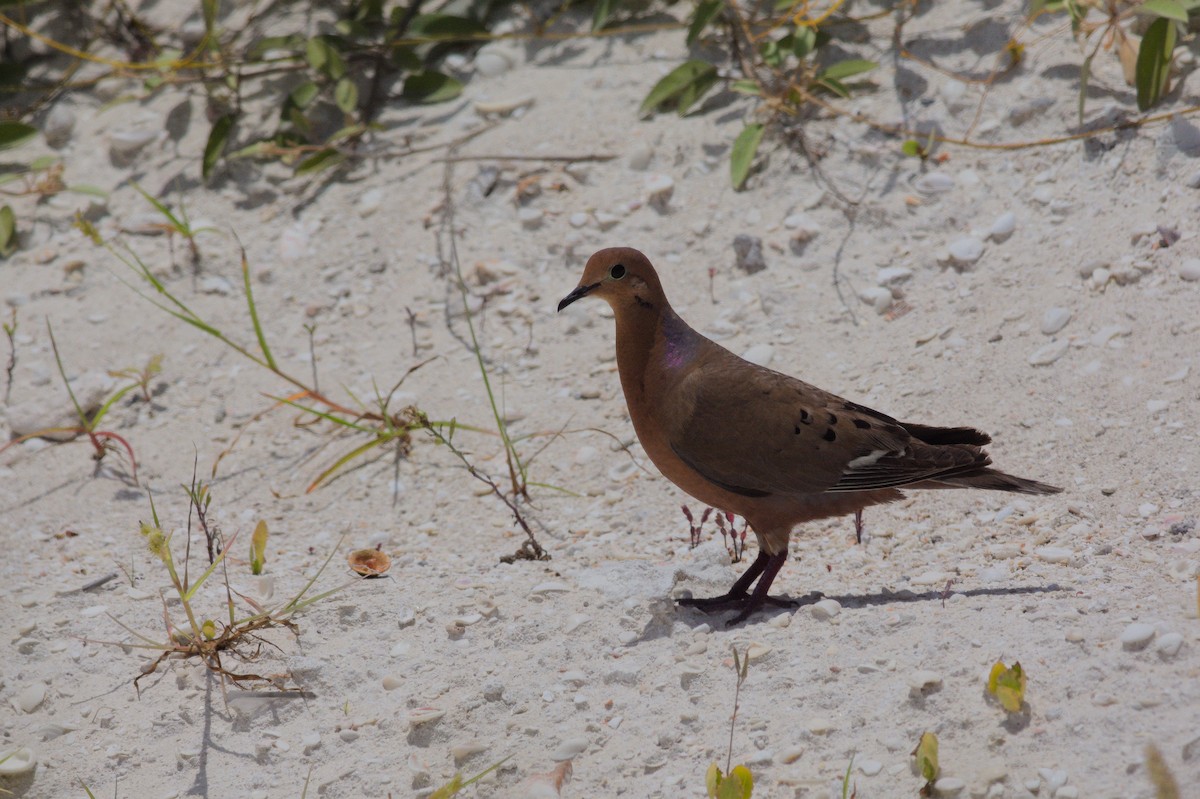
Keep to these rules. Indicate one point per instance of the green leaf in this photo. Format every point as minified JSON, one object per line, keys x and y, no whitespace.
{"x":911,"y":148}
{"x":846,"y":69}
{"x":322,"y":159}
{"x":1171,"y":9}
{"x":345,"y":94}
{"x":1008,"y":685}
{"x":215,"y":146}
{"x":604,"y":9}
{"x":209,"y":9}
{"x":291,"y":42}
{"x":8,"y":231}
{"x":404,"y":58}
{"x":744,"y":149}
{"x":14,"y":134}
{"x":927,"y":757}
{"x":303,"y":95}
{"x":746,"y":87}
{"x":705,"y":13}
{"x":88,"y":189}
{"x":258,"y":547}
{"x":835,"y":86}
{"x":431,"y":87}
{"x":316,"y":51}
{"x":691,"y":77}
{"x":1154,"y":62}
{"x":804,"y":41}
{"x":43,"y":162}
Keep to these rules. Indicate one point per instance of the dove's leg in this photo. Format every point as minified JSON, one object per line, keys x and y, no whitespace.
{"x":764,"y":568}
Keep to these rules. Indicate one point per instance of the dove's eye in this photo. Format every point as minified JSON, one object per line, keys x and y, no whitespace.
{"x":617,"y":272}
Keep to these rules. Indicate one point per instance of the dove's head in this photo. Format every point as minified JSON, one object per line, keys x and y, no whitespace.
{"x":622,"y":277}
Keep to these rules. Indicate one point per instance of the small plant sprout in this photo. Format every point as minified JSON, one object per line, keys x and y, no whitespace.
{"x":89,"y":422}
{"x":142,"y":377}
{"x":207,"y":639}
{"x":694,"y":530}
{"x":10,"y":331}
{"x":735,"y":540}
{"x":1165,"y":786}
{"x":1007,"y":685}
{"x":176,"y":224}
{"x":735,"y":782}
{"x":926,"y":755}
{"x":849,"y":792}
{"x":258,"y":548}
{"x":457,"y":783}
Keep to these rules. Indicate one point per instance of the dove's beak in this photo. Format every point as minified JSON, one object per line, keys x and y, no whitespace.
{"x":578,"y":293}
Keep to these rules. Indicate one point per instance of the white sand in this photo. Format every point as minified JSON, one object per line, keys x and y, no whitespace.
{"x":585,"y":655}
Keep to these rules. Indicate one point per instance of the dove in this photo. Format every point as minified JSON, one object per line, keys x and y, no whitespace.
{"x":760,"y":444}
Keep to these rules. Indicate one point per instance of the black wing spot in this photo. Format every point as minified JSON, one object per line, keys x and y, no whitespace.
{"x":796,"y":430}
{"x":805,"y":417}
{"x":829,"y":435}
{"x":833,"y":418}
{"x":862,"y":424}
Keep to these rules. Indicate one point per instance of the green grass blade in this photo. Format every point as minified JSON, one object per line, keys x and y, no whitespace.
{"x":83,"y":420}
{"x":258,"y":331}
{"x":327,"y":416}
{"x":349,"y":456}
{"x":180,"y":227}
{"x":191,"y":592}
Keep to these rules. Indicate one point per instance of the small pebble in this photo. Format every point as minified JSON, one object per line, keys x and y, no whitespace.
{"x":1054,"y":554}
{"x":370,"y":202}
{"x":826,"y":609}
{"x":934,"y":183}
{"x":578,"y":219}
{"x":549,"y":587}
{"x":640,"y":156}
{"x":1189,"y":270}
{"x":530,"y":218}
{"x":569,"y":748}
{"x":748,"y":253}
{"x":1054,"y":320}
{"x":892,"y":275}
{"x":803,"y":227}
{"x":877,"y":297}
{"x":490,"y":62}
{"x":949,"y":786}
{"x":1003,"y":227}
{"x":1049,"y":353}
{"x":1067,"y":792}
{"x":922,"y":682}
{"x":58,"y":125}
{"x":30,"y":697}
{"x":791,"y":754}
{"x":1053,"y":778}
{"x":870,"y":768}
{"x":1168,"y":645}
{"x":659,"y":189}
{"x":1136,"y":636}
{"x":965,"y":251}
{"x":819,"y":725}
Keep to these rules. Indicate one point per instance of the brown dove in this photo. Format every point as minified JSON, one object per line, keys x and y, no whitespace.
{"x":758,"y":443}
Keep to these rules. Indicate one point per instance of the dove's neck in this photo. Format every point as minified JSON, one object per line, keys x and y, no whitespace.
{"x":652,"y":344}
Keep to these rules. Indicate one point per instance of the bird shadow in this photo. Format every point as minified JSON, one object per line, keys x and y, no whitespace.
{"x":883,"y":597}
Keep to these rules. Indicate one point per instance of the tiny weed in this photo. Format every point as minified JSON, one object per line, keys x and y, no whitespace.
{"x":926,"y":755}
{"x":735,"y":540}
{"x":207,"y":639}
{"x":1008,"y":686}
{"x":89,"y":423}
{"x":694,"y":530}
{"x":142,"y":377}
{"x":10,"y":331}
{"x":176,"y":225}
{"x":1165,"y":786}
{"x":735,"y":782}
{"x":457,"y":783}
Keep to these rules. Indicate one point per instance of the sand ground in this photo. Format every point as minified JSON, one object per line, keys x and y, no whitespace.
{"x":1072,"y":338}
